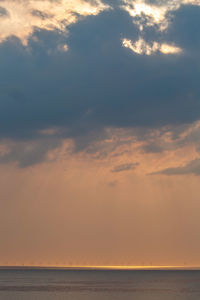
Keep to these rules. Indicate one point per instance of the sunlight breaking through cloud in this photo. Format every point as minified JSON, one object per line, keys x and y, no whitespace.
{"x":143,"y":48}
{"x":22,"y":17}
{"x":147,"y":14}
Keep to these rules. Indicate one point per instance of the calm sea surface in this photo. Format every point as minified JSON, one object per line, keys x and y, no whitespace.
{"x":99,"y":285}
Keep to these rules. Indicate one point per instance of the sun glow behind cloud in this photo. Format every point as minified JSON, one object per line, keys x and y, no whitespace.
{"x":154,"y":14}
{"x":142,"y":47}
{"x":23,"y":17}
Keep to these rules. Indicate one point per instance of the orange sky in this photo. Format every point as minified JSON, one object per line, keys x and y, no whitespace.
{"x":99,"y":133}
{"x":76,"y":210}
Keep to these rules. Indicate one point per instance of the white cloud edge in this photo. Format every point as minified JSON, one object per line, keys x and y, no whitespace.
{"x":141,"y":47}
{"x":154,"y":14}
{"x":21,"y":22}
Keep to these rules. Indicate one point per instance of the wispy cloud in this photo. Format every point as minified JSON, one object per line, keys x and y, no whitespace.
{"x":193,"y":167}
{"x":125,"y":167}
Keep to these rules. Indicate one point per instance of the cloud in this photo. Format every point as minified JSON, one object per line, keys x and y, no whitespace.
{"x":153,"y":147}
{"x":184,"y":25}
{"x":26,"y":154}
{"x":3,"y":12}
{"x":125,"y":167}
{"x":83,"y":81}
{"x":43,"y":14}
{"x":141,"y":47}
{"x":113,"y":183}
{"x":154,"y":13}
{"x":192,"y":167}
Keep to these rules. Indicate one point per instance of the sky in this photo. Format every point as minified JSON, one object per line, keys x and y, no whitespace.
{"x":99,"y":132}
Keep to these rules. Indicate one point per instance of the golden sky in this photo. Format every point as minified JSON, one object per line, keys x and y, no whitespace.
{"x":99,"y":133}
{"x":83,"y":210}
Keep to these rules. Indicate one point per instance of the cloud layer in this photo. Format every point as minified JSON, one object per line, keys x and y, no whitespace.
{"x":68,"y":70}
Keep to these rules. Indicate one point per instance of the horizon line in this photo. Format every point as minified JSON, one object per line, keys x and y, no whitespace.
{"x":100,"y":267}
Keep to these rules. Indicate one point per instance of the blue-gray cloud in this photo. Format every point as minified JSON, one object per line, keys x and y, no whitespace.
{"x":184,"y":27}
{"x":98,"y":83}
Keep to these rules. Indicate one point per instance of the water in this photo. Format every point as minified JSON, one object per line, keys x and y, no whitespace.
{"x":99,"y":285}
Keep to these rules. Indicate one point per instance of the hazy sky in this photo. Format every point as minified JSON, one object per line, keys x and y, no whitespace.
{"x":100,"y":132}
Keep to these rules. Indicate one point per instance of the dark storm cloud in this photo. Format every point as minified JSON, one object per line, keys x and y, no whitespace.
{"x":98,"y":83}
{"x":192,"y":167}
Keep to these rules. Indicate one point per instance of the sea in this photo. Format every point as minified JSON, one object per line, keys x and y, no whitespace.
{"x":60,"y":284}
